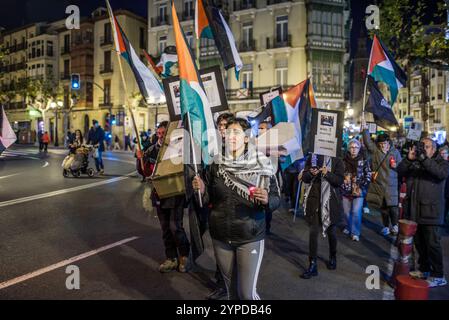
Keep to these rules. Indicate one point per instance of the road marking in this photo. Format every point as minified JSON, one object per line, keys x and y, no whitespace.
{"x":63,"y":191}
{"x":46,"y":164}
{"x":63,"y":263}
{"x":8,"y":176}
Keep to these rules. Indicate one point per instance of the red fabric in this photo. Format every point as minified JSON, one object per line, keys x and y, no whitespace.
{"x":45,"y":138}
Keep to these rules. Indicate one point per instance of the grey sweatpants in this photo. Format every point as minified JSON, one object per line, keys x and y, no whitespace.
{"x":240,"y":266}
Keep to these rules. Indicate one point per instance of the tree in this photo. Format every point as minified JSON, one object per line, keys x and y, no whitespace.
{"x":415,"y":32}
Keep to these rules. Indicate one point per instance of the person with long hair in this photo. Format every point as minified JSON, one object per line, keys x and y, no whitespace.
{"x":241,"y":186}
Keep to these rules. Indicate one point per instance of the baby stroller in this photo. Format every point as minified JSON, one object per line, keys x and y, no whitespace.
{"x":78,"y":163}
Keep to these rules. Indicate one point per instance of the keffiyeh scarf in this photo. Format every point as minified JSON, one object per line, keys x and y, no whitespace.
{"x":252,"y":168}
{"x":325,"y":197}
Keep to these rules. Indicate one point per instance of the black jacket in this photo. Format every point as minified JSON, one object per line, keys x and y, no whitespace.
{"x":96,"y":136}
{"x":234,"y":219}
{"x":424,"y":202}
{"x":335,"y":178}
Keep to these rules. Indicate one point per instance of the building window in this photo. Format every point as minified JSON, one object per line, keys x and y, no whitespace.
{"x":66,"y":67}
{"x":281,"y":76}
{"x":107,"y":32}
{"x":162,"y":44}
{"x":247,"y":77}
{"x":247,"y":34}
{"x":50,"y":48}
{"x":66,"y":42}
{"x":162,"y":11}
{"x":281,"y":28}
{"x":107,"y":60}
{"x":188,"y":8}
{"x":189,"y":38}
{"x":142,"y":38}
{"x":327,"y":73}
{"x":107,"y":92}
{"x":437,"y":118}
{"x":336,"y":24}
{"x":440,"y":92}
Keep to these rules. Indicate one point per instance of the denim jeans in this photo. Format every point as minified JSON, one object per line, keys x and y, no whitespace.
{"x":99,"y":161}
{"x":353,"y":214}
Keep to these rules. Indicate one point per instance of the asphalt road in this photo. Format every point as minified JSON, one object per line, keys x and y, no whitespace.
{"x":105,"y":224}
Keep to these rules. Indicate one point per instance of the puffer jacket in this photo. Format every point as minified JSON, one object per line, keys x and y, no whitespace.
{"x":233,"y":219}
{"x":424,"y":202}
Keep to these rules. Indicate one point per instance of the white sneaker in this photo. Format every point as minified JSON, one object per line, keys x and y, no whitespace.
{"x":395,"y":229}
{"x":436,"y":282}
{"x":346,"y":231}
{"x":366,"y":210}
{"x":419,"y":275}
{"x":385,"y":231}
{"x":355,"y":238}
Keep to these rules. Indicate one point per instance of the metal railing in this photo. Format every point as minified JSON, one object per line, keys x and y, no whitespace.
{"x":245,"y":46}
{"x":105,"y":40}
{"x":283,"y":42}
{"x":65,"y":50}
{"x":244,"y":5}
{"x":160,"y":21}
{"x":105,"y":101}
{"x":106,"y":68}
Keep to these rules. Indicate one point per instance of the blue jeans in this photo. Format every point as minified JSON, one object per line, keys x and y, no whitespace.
{"x":99,"y":160}
{"x":353,"y":214}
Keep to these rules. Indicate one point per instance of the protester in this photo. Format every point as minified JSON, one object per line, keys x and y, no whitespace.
{"x":116,"y":143}
{"x":383,"y":193}
{"x":237,"y":221}
{"x":322,"y":206}
{"x":40,"y":134}
{"x":128,"y":142}
{"x":220,"y":288}
{"x":444,"y":152}
{"x":76,"y":141}
{"x":357,"y":177}
{"x":45,"y":140}
{"x":426,"y":172}
{"x":96,"y":138}
{"x":145,"y":144}
{"x":170,"y":212}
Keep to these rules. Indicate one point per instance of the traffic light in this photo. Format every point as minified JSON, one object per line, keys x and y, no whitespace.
{"x":76,"y":81}
{"x":113,"y":121}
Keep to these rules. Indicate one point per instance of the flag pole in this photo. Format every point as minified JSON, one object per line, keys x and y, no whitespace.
{"x":139,"y":155}
{"x":366,"y":79}
{"x":194,"y":156}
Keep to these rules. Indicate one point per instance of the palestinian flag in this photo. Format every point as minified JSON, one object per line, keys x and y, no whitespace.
{"x":147,"y":82}
{"x":166,"y":63}
{"x":210,"y":24}
{"x":194,"y":103}
{"x":7,"y":135}
{"x":295,"y":106}
{"x":379,"y":106}
{"x":383,"y":68}
{"x":152,"y":66}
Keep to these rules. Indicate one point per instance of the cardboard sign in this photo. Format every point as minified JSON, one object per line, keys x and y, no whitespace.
{"x":213,"y":86}
{"x":372,"y":127}
{"x":327,"y":132}
{"x":267,"y":96}
{"x":415,"y":131}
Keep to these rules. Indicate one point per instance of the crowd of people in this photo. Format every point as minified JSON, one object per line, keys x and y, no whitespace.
{"x":240,"y":191}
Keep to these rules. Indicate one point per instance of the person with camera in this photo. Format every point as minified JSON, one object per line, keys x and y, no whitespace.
{"x":322,"y":206}
{"x":356,"y":181}
{"x":383,"y":192}
{"x":240,"y":186}
{"x":426,"y":172}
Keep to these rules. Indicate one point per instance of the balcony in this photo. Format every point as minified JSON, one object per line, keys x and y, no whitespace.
{"x":274,"y":2}
{"x":416,"y":88}
{"x":17,"y":105}
{"x":329,"y":91}
{"x":246,"y":93}
{"x":64,"y":76}
{"x":106,"y":68}
{"x":209,"y":52}
{"x":65,"y":50}
{"x":160,"y":21}
{"x":247,"y":46}
{"x":275,"y":43}
{"x":188,"y":15}
{"x":106,"y":40}
{"x":106,"y":101}
{"x":244,"y":5}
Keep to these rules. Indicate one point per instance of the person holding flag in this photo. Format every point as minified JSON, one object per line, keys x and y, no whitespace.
{"x":241,"y":186}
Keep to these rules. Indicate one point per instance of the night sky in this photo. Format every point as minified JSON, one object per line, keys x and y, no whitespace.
{"x":15,"y":13}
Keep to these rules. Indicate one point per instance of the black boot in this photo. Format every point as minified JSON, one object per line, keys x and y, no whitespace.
{"x":332,"y":264}
{"x":312,"y":271}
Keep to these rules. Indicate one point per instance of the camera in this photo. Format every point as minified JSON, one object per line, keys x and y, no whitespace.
{"x":419,"y":149}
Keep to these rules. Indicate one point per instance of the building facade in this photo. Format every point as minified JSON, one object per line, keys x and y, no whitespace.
{"x":50,"y":51}
{"x":278,"y":41}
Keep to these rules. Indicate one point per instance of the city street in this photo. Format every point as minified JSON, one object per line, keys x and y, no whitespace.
{"x":46,"y":219}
